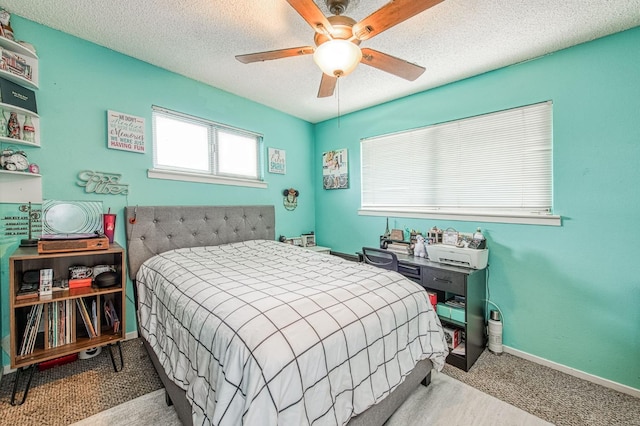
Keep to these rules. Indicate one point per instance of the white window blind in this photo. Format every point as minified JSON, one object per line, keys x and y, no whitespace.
{"x":493,"y":163}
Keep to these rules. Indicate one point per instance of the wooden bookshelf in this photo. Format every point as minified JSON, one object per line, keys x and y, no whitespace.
{"x":75,"y":337}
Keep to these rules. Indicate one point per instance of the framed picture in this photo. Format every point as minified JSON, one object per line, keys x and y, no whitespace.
{"x":335,"y":173}
{"x":125,"y":132}
{"x":308,"y":240}
{"x":277,"y":160}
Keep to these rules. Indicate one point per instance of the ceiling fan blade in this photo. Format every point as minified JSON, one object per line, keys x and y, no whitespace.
{"x":389,"y":15}
{"x":391,"y":64}
{"x":327,"y":86}
{"x":275,"y":54}
{"x":311,"y":13}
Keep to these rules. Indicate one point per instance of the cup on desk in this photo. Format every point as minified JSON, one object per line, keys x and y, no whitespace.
{"x":109,"y":225}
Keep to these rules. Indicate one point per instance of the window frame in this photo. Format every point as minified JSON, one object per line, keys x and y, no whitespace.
{"x":381,"y":204}
{"x":212,"y":175}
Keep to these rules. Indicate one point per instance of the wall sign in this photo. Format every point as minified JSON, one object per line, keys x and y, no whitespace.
{"x":277,"y":161}
{"x":125,"y":132}
{"x":102,"y":183}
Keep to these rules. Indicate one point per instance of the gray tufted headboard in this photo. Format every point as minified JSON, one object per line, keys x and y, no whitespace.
{"x":157,"y":229}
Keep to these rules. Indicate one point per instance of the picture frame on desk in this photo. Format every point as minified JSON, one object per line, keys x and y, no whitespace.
{"x":397,"y":235}
{"x":308,"y":240}
{"x":296,"y":241}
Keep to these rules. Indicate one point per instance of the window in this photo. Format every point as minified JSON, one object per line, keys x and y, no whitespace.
{"x":494,"y":167}
{"x":194,"y":149}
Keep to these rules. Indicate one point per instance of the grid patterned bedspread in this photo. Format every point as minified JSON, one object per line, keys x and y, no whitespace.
{"x":265,"y":333}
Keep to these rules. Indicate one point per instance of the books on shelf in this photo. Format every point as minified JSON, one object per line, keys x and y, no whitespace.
{"x":60,"y":323}
{"x":111,"y":316}
{"x":31,"y":330}
{"x":86,"y":318}
{"x":46,"y":282}
{"x":402,"y":248}
{"x":456,"y":302}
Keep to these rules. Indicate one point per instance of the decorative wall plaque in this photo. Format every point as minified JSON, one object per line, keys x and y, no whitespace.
{"x":125,"y":132}
{"x":102,"y":183}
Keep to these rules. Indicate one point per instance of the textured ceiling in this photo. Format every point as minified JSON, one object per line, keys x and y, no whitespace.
{"x":453,"y":40}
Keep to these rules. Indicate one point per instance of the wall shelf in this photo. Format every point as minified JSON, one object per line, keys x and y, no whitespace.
{"x":17,"y":48}
{"x":28,"y":56}
{"x":20,"y":186}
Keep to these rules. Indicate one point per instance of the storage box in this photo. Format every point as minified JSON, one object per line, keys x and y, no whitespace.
{"x":80,"y":282}
{"x":457,"y":314}
{"x":446,"y":311}
{"x":14,"y":94}
{"x":453,"y":337}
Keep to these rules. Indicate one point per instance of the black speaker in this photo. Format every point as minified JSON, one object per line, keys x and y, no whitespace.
{"x":107,"y":279}
{"x":31,"y":277}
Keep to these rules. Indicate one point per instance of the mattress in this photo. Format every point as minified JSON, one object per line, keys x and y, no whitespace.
{"x":261,"y":332}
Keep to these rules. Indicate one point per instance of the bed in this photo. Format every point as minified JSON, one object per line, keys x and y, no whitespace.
{"x":244,"y":329}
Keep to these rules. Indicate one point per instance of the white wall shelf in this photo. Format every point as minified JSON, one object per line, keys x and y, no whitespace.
{"x":17,"y":48}
{"x":21,"y":186}
{"x":29,"y":57}
{"x":22,"y":113}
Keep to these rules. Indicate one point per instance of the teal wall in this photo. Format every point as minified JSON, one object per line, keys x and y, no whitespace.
{"x":80,"y":81}
{"x":569,"y":294}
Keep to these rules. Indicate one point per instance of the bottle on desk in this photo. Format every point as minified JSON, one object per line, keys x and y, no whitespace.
{"x":478,"y":242}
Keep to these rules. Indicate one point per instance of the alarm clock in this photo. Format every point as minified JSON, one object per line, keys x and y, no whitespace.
{"x":14,"y":160}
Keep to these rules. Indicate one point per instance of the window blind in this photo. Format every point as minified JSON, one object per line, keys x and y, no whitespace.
{"x":492,"y":163}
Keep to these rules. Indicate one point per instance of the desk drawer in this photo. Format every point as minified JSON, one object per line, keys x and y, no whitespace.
{"x":410,"y":271}
{"x":441,"y":279}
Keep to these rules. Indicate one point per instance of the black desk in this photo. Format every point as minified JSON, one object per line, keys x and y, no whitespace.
{"x":447,"y":281}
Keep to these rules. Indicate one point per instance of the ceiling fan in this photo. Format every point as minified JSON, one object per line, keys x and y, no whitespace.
{"x":338,"y":37}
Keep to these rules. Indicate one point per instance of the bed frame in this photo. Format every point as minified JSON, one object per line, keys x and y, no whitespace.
{"x":155,"y":229}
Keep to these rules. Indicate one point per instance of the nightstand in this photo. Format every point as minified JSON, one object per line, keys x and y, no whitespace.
{"x":319,"y":249}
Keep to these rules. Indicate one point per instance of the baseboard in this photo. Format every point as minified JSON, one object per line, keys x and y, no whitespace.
{"x":573,"y":372}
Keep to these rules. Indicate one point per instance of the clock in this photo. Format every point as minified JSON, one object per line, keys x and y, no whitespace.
{"x":14,"y":160}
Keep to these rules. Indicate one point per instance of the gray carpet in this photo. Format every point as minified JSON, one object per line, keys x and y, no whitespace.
{"x":445,"y":402}
{"x":73,"y":392}
{"x":62,"y":395}
{"x":549,"y":394}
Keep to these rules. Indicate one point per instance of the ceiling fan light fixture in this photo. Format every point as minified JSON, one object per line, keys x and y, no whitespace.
{"x":337,"y":58}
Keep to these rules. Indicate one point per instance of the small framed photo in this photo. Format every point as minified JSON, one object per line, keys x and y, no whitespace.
{"x":277,"y":160}
{"x":308,"y":240}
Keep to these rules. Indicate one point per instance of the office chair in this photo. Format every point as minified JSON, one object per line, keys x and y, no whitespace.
{"x":381,"y":258}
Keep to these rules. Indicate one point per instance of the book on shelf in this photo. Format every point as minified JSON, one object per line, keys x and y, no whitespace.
{"x":456,"y":302}
{"x":34,"y":330}
{"x":31,"y":330}
{"x":71,"y":320}
{"x":401,"y":248}
{"x":27,"y":294}
{"x":27,"y":329}
{"x":60,"y":320}
{"x":94,"y":315}
{"x":46,"y":282}
{"x":111,"y":316}
{"x":86,"y":319}
{"x":460,"y":349}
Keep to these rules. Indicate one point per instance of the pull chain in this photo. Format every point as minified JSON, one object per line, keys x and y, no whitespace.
{"x":338,"y":95}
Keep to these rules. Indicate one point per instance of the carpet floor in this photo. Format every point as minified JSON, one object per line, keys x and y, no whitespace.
{"x":445,"y":402}
{"x":70,"y":393}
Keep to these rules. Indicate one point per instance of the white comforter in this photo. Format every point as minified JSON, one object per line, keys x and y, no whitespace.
{"x":265,"y":333}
